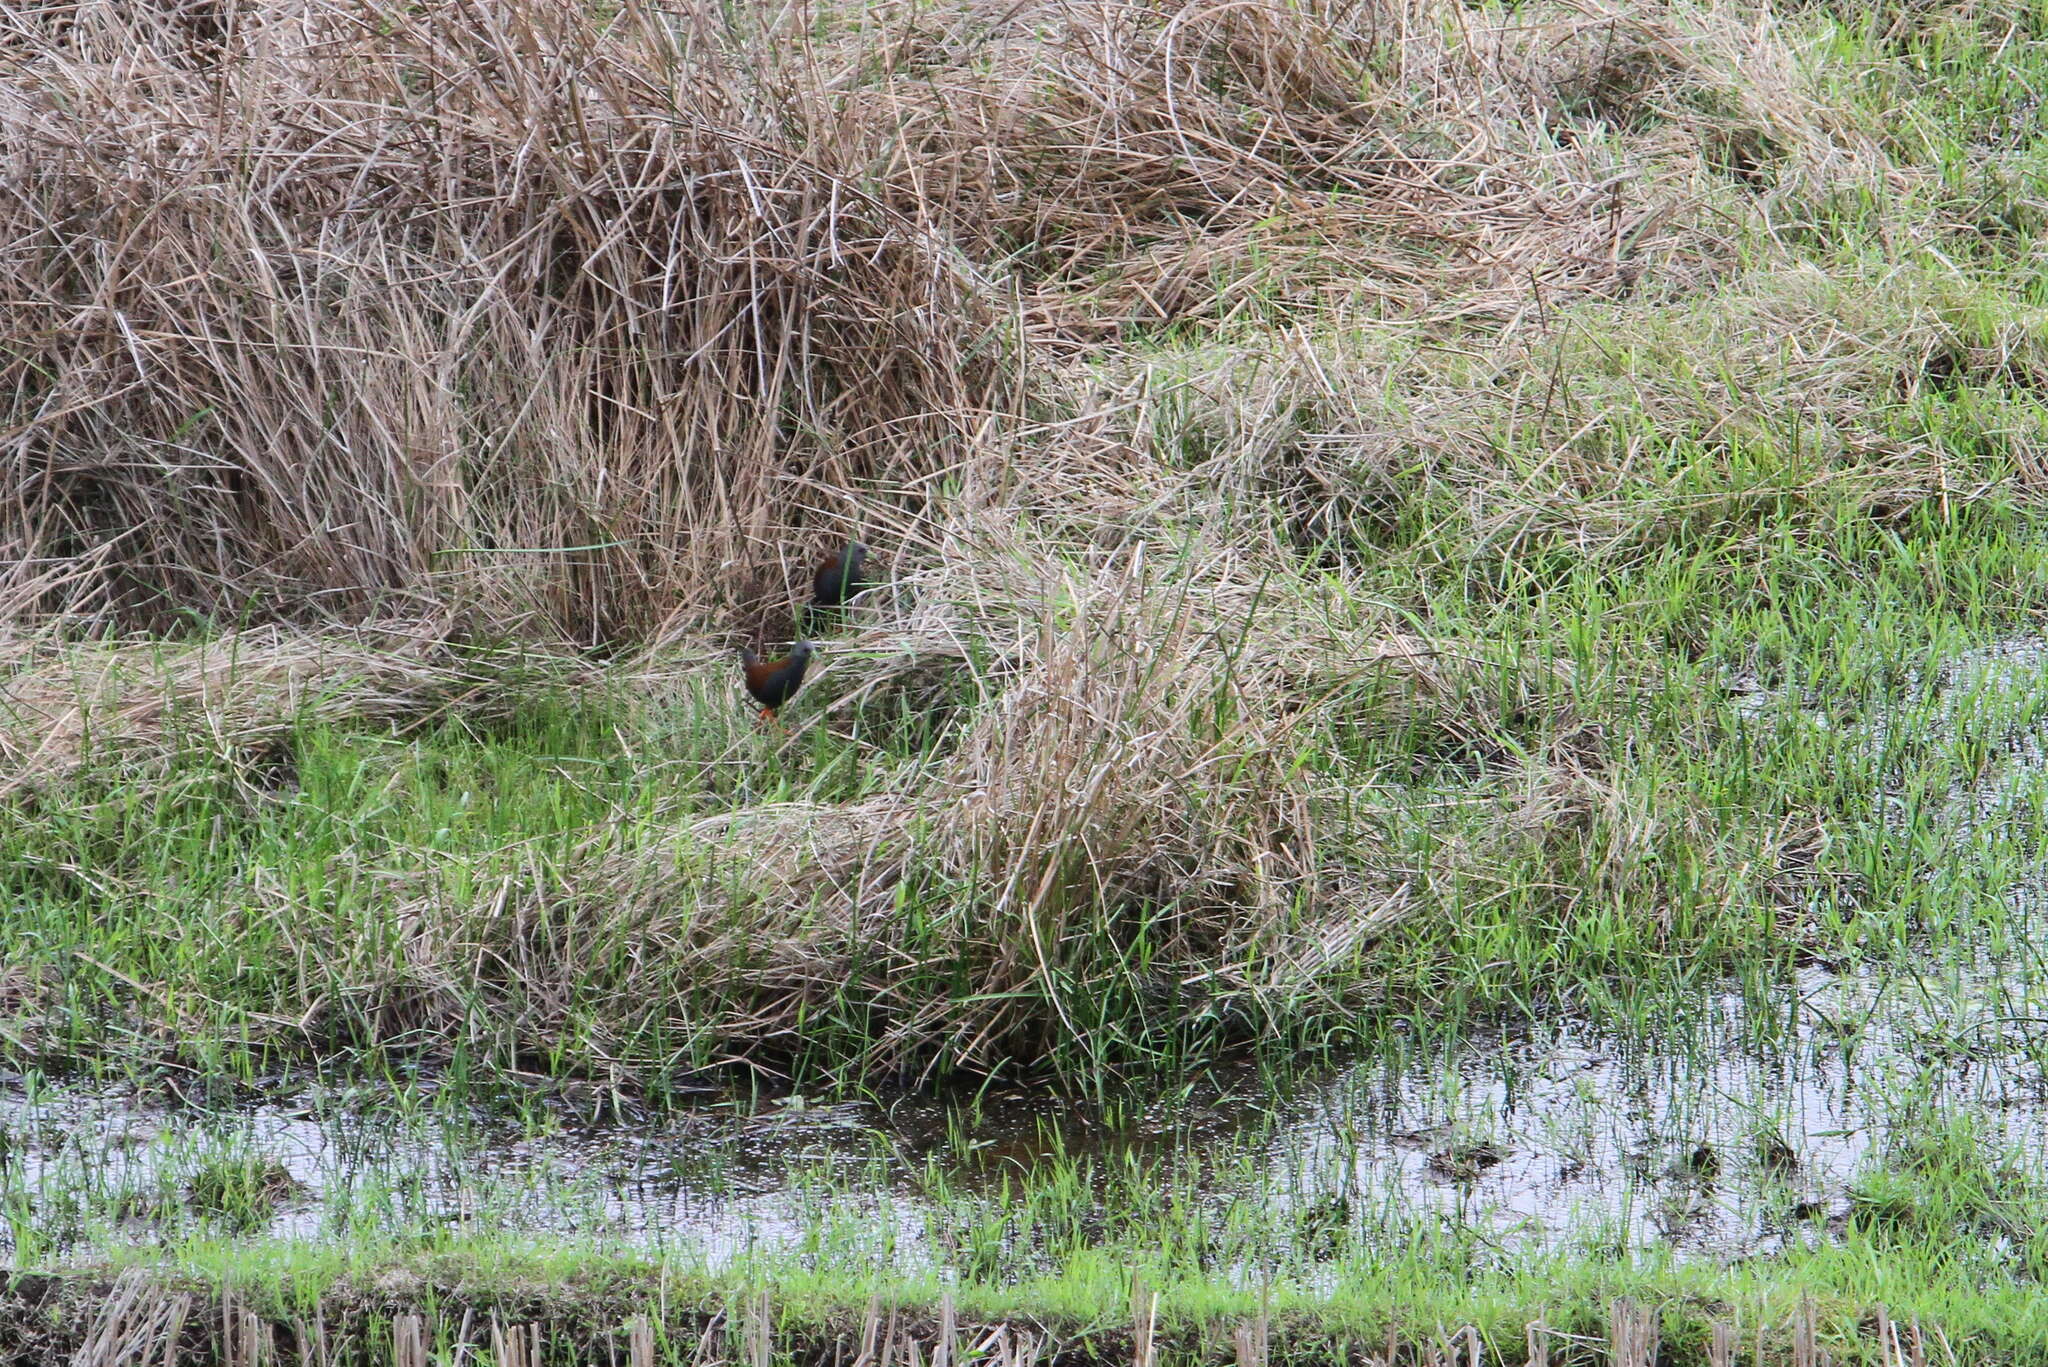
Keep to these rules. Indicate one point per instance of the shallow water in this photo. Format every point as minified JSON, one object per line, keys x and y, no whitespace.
{"x":1727,"y":1125}
{"x":1548,"y":1135}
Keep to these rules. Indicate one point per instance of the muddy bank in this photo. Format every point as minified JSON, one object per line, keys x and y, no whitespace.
{"x":90,"y":1319}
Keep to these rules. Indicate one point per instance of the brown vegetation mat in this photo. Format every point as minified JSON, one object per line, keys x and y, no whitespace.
{"x":1137,"y":164}
{"x":319,"y":310}
{"x":131,"y":705}
{"x":566,"y":318}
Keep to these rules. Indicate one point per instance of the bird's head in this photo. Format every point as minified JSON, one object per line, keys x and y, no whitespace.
{"x":801,"y":652}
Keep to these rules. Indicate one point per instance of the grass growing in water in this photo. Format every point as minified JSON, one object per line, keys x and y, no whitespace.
{"x":1074,"y":1253}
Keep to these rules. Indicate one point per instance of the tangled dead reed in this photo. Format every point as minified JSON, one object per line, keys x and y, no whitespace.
{"x":553,"y":318}
{"x":496,"y":313}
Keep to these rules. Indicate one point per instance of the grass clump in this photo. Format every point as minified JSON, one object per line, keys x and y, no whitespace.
{"x":242,"y":1192}
{"x":1940,"y":1182}
{"x":366,"y":358}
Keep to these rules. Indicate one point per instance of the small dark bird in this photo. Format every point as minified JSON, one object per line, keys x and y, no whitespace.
{"x":774,"y":682}
{"x":841,"y":577}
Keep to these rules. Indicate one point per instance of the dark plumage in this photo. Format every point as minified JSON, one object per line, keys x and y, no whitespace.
{"x":841,"y":577}
{"x":775,"y":682}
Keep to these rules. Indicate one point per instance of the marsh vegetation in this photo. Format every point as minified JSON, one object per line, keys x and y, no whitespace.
{"x":1416,"y":543}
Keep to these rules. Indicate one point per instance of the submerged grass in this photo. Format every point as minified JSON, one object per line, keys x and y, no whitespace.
{"x":1388,"y":1289}
{"x":1086,"y":1255}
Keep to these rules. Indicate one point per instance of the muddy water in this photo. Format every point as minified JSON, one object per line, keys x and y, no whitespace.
{"x":1729,"y":1125}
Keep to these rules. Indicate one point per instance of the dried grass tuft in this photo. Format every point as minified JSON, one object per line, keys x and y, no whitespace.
{"x":1133,"y":820}
{"x":503,"y":314}
{"x":130,"y":706}
{"x":560,"y":320}
{"x":1153,"y":162}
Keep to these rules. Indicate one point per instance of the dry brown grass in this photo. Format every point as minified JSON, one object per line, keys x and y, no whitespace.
{"x":1140,"y":164}
{"x":493,"y":313}
{"x":130,"y":706}
{"x":562,"y":322}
